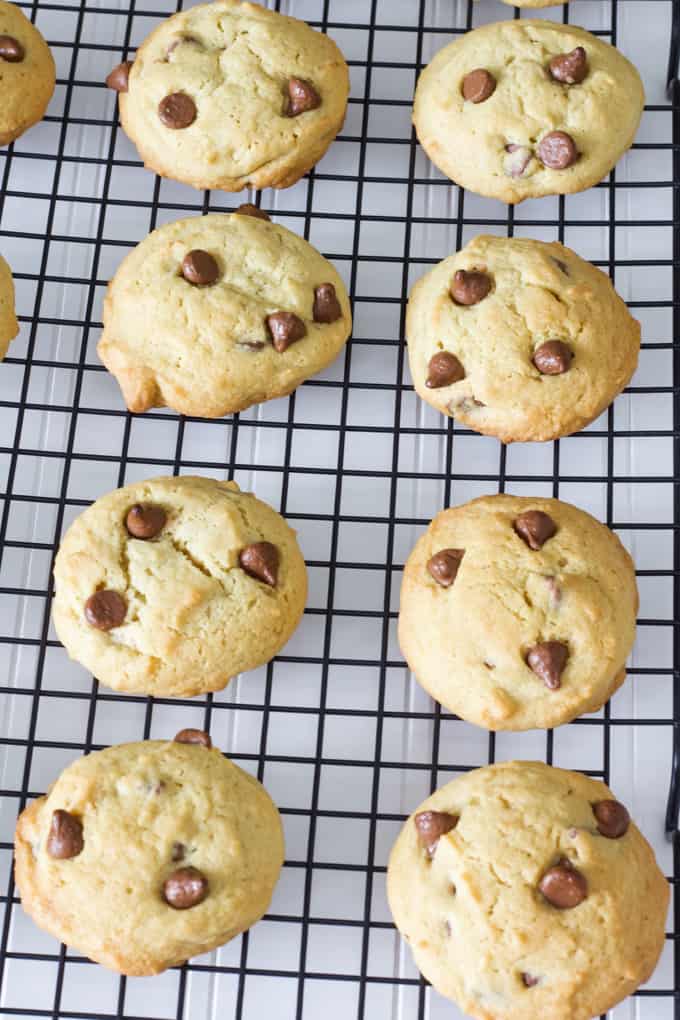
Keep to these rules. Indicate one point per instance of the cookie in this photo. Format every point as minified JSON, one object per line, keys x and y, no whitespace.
{"x":171,"y":587}
{"x":27,"y":73}
{"x":230,"y":95}
{"x":144,"y":855}
{"x":9,"y":327}
{"x":520,"y":109}
{"x":518,"y":612}
{"x":519,"y":339}
{"x":212,"y":314}
{"x":525,"y":892}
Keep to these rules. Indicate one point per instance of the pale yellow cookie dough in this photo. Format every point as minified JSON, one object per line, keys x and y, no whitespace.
{"x":9,"y":327}
{"x":467,"y":644}
{"x":539,"y":292}
{"x":467,"y":140}
{"x":234,"y":61}
{"x":147,"y":810}
{"x":479,"y":927}
{"x":206,"y":350}
{"x":27,"y":73}
{"x":192,"y":617}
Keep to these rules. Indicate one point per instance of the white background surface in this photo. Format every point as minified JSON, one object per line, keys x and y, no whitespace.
{"x":362,"y":745}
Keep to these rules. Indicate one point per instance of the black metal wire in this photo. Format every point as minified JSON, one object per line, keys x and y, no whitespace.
{"x":439,"y":758}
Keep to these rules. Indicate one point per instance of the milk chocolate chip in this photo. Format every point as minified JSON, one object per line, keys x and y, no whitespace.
{"x":444,"y":369}
{"x":326,"y":305}
{"x":469,"y":287}
{"x":190,"y":736}
{"x":248,"y":209}
{"x":557,"y":150}
{"x":65,"y":838}
{"x":177,"y":111}
{"x":11,"y":49}
{"x":535,"y":528}
{"x":185,"y":888}
{"x":285,"y":328}
{"x":431,"y":825}
{"x":563,"y":886}
{"x":200,"y":268}
{"x":528,"y":980}
{"x":478,"y":85}
{"x":612,"y":818}
{"x":517,"y":160}
{"x":569,"y":68}
{"x":261,"y":561}
{"x":444,"y":566}
{"x":547,"y":660}
{"x":105,"y":610}
{"x":553,"y":358}
{"x":145,"y":520}
{"x":302,"y":97}
{"x":119,"y":77}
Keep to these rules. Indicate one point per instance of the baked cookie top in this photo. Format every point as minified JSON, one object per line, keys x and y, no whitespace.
{"x":519,"y":339}
{"x":211,"y":314}
{"x":27,"y":73}
{"x":173,"y":586}
{"x":518,"y":612}
{"x":229,"y":94}
{"x":520,"y":109}
{"x":526,"y":893}
{"x":9,"y":327}
{"x":146,"y":854}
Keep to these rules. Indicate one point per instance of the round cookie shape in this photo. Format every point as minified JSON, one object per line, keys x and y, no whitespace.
{"x":541,"y":348}
{"x":27,"y":73}
{"x":560,"y":589}
{"x":523,"y":909}
{"x":9,"y":327}
{"x":212,"y":314}
{"x":229,"y":95}
{"x":217,"y":590}
{"x":146,"y":854}
{"x":535,"y":134}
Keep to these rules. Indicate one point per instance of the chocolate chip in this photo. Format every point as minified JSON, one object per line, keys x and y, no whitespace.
{"x":528,"y":980}
{"x":285,"y":328}
{"x":200,"y":268}
{"x":569,"y":68}
{"x":178,"y":852}
{"x":177,"y":111}
{"x":469,"y":288}
{"x":563,"y":886}
{"x":190,"y":736}
{"x":478,"y":85}
{"x":444,"y":566}
{"x":535,"y":528}
{"x":11,"y":49}
{"x":557,"y":150}
{"x":612,"y":818}
{"x":261,"y":561}
{"x":553,"y":358}
{"x":119,"y":78}
{"x":302,"y":96}
{"x":65,"y":838}
{"x":547,"y":660}
{"x":248,"y":209}
{"x":326,"y":305}
{"x":431,"y":825}
{"x":444,"y":369}
{"x":145,"y":520}
{"x":517,"y":160}
{"x":105,"y":610}
{"x":185,"y":888}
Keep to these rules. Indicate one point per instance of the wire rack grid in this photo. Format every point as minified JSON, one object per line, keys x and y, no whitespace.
{"x":343,"y":739}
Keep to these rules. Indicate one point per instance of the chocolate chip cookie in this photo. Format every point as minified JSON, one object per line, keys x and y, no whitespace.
{"x":171,"y":587}
{"x":519,"y":339}
{"x":27,"y":73}
{"x":518,"y":612}
{"x":229,"y":95}
{"x":212,"y":314}
{"x":146,"y":854}
{"x":526,"y":892}
{"x":9,"y":327}
{"x":520,"y":109}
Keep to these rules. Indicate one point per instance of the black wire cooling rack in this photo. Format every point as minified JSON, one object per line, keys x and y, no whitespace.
{"x":343,"y":740}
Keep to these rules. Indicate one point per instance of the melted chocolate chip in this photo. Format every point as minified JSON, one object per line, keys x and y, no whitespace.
{"x":470,"y":287}
{"x":248,"y":209}
{"x":65,"y":838}
{"x":185,"y":888}
{"x":553,"y":358}
{"x":569,"y":68}
{"x":200,"y":268}
{"x":285,"y":329}
{"x":261,"y":561}
{"x":145,"y":520}
{"x":444,"y":369}
{"x":189,"y":736}
{"x":11,"y":49}
{"x":535,"y":528}
{"x":563,"y":886}
{"x":177,"y":111}
{"x":178,"y":852}
{"x":326,"y":305}
{"x":612,"y":818}
{"x":517,"y":160}
{"x":557,"y":150}
{"x":478,"y":85}
{"x":444,"y":566}
{"x":431,"y":826}
{"x":105,"y":610}
{"x":548,"y":660}
{"x":302,"y":97}
{"x":528,"y":980}
{"x":118,"y":79}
